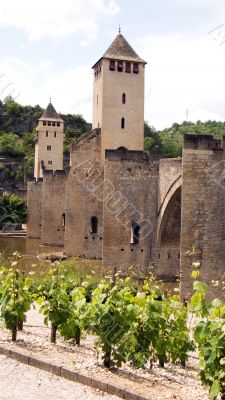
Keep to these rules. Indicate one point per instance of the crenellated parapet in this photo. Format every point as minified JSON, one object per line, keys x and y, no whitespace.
{"x":203,"y":142}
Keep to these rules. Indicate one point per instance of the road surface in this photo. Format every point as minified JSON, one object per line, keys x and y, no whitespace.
{"x":19,"y":381}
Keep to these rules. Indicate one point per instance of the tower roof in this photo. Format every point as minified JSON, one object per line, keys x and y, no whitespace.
{"x":50,"y":112}
{"x":120,"y":49}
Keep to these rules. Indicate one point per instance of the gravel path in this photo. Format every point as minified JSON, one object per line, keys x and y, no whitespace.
{"x":19,"y":382}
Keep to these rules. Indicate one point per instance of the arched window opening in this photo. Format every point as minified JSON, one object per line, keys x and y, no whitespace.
{"x":63,"y":220}
{"x":94,"y":225}
{"x":122,"y":148}
{"x":124,"y":98}
{"x":122,"y":123}
{"x":135,"y":234}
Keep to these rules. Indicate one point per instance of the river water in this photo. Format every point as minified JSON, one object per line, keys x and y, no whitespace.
{"x":29,"y":250}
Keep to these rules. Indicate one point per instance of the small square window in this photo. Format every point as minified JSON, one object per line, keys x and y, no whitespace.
{"x":44,"y":122}
{"x":53,"y":123}
{"x":128,"y":67}
{"x":55,"y":134}
{"x":50,"y":162}
{"x":49,"y":123}
{"x":58,"y":123}
{"x":120,"y":66}
{"x":46,"y":133}
{"x":49,"y":147}
{"x":112,"y":65}
{"x":135,"y":68}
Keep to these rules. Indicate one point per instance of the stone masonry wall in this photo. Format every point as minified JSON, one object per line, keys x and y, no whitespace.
{"x":84,"y":192}
{"x":108,"y":110}
{"x":130,"y":196}
{"x":170,"y":169}
{"x":203,"y":211}
{"x":167,"y":261}
{"x":34,"y":204}
{"x":53,"y":208}
{"x":167,"y":257}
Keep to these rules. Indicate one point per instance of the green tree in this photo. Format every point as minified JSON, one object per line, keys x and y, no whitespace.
{"x":12,"y":207}
{"x":11,"y":145}
{"x":153,"y":142}
{"x":171,"y":148}
{"x":71,"y":135}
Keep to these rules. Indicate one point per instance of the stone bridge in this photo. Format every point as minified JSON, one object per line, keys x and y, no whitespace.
{"x":167,"y":257}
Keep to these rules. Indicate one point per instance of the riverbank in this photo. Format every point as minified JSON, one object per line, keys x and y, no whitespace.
{"x":14,"y":234}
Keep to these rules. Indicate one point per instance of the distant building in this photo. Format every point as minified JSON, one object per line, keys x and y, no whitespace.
{"x":49,"y":142}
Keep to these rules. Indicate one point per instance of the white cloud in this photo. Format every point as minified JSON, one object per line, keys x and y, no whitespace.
{"x":14,"y":76}
{"x":71,"y":90}
{"x":53,"y":18}
{"x":183,"y":74}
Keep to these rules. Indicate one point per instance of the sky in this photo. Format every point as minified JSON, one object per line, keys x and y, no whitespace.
{"x":47,"y":48}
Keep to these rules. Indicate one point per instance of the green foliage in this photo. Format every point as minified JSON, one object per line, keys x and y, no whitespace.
{"x":153,"y":142}
{"x":12,"y":208}
{"x":169,"y":141}
{"x":15,"y":298}
{"x":171,"y":148}
{"x":79,"y":309}
{"x":17,"y":130}
{"x":11,"y":145}
{"x":209,"y":333}
{"x":112,"y":316}
{"x":71,"y":135}
{"x":13,"y":108}
{"x":130,"y":325}
{"x":159,"y":332}
{"x":55,"y":305}
{"x":138,"y":327}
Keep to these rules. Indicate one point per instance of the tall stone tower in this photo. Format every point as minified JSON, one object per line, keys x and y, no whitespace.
{"x":118,"y":97}
{"x":49,"y":142}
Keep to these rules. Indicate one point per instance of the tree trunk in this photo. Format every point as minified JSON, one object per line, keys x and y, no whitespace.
{"x":14,"y":335}
{"x":20,"y":325}
{"x":114,"y":277}
{"x":78,"y":337}
{"x":183,"y":361}
{"x":53,"y":333}
{"x":107,"y":359}
{"x":161,"y":360}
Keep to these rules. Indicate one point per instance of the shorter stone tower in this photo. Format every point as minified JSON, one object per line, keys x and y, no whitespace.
{"x":49,"y":142}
